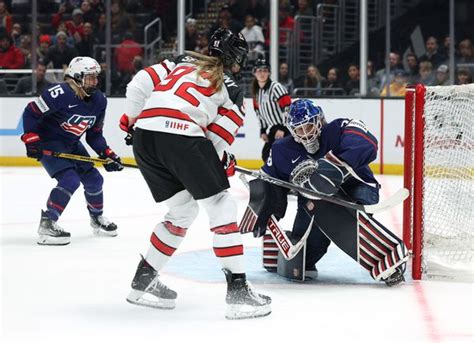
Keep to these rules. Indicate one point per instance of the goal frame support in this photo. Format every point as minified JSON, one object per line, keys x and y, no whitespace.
{"x":413,"y":175}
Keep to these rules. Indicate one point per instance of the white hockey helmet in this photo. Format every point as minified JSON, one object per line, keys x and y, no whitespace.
{"x":81,"y":66}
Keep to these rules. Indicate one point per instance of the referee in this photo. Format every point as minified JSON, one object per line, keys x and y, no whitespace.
{"x":270,"y":100}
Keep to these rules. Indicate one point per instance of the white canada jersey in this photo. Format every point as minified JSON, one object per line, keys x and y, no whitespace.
{"x":172,"y":97}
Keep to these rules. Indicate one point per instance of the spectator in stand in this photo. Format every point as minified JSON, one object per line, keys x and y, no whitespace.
{"x":25,"y":84}
{"x":44,"y":43}
{"x":10,"y":56}
{"x":466,"y":54}
{"x":432,"y":54}
{"x":25,"y":48}
{"x":74,"y":27}
{"x":127,"y":77}
{"x":85,"y":46}
{"x":125,"y":53}
{"x":395,"y":63}
{"x":6,"y":21}
{"x":191,"y":35}
{"x":442,"y":76}
{"x":88,"y":15}
{"x":284,"y":77}
{"x":372,"y":80}
{"x":444,"y":47}
{"x":16,"y":34}
{"x":352,"y":85}
{"x":412,"y":68}
{"x":333,"y":85}
{"x":312,"y":82}
{"x":286,"y":22}
{"x":60,"y":54}
{"x":463,"y":76}
{"x":97,"y":7}
{"x":121,"y":21}
{"x":398,"y":85}
{"x":304,"y":8}
{"x":202,"y":44}
{"x":237,"y":8}
{"x":254,"y":36}
{"x":426,"y":73}
{"x":257,"y":8}
{"x":224,"y":19}
{"x":100,"y":28}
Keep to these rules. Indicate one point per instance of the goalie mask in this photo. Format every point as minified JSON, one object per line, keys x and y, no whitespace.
{"x":305,"y":121}
{"x":84,"y":71}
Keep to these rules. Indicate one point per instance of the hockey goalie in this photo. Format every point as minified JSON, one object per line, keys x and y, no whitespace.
{"x":330,"y":159}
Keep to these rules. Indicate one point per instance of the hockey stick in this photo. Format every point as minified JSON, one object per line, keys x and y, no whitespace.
{"x":387,"y":204}
{"x":288,"y":249}
{"x":84,"y":158}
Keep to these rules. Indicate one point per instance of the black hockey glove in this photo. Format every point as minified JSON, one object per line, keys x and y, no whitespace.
{"x":115,"y":163}
{"x":33,"y":145}
{"x":124,"y":126}
{"x":229,"y":162}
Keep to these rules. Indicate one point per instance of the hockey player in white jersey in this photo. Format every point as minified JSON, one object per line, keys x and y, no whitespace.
{"x":181,"y":116}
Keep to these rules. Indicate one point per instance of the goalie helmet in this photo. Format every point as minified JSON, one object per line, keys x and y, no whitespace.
{"x":305,"y":121}
{"x":229,"y":47}
{"x":79,"y":68}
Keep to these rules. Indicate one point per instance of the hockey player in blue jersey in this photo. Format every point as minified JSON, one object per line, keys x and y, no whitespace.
{"x":331,"y":159}
{"x":56,"y":121}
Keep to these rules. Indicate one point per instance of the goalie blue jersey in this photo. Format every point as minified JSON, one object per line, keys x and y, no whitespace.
{"x":59,"y":115}
{"x":347,"y":140}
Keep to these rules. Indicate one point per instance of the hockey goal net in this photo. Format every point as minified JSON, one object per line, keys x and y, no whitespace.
{"x":438,"y":221}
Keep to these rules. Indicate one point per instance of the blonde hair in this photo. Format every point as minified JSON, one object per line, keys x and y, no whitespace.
{"x":80,"y":92}
{"x":210,"y":68}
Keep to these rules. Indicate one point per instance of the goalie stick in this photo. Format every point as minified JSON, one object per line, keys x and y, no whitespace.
{"x":387,"y":204}
{"x":284,"y":244}
{"x":83,"y":158}
{"x":288,"y":249}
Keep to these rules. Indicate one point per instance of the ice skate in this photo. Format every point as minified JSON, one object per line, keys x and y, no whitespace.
{"x":242,"y":301}
{"x":50,"y":233}
{"x":147,"y":289}
{"x":311,"y":273}
{"x":103,"y":227}
{"x":396,"y":277}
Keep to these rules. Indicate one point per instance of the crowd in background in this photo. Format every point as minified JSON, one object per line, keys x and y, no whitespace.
{"x":77,"y":27}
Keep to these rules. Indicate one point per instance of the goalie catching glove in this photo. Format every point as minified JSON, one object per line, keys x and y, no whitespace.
{"x":322,"y":176}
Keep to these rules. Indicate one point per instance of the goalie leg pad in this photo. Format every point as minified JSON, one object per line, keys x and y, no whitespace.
{"x":293,"y":269}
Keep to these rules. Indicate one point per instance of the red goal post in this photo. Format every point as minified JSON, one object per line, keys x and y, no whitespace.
{"x":438,"y":220}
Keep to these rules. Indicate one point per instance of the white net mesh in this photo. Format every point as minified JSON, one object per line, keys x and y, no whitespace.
{"x":448,"y":186}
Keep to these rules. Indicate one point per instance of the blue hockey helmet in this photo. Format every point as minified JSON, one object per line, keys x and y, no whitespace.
{"x":305,"y":121}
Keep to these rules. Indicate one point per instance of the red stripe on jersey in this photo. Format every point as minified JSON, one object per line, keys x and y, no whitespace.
{"x":154,"y":75}
{"x":284,"y":101}
{"x":231,"y":115}
{"x":175,"y":230}
{"x":229,"y":251}
{"x":34,"y":107}
{"x":362,"y":135}
{"x":164,"y":112}
{"x":224,"y":229}
{"x":160,"y":246}
{"x":166,"y":67}
{"x":221,"y":132}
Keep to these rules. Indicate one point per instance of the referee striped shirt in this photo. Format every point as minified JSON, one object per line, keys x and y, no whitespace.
{"x":269,"y":105}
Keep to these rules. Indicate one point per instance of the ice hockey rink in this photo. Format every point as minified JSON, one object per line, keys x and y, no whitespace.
{"x":77,"y":292}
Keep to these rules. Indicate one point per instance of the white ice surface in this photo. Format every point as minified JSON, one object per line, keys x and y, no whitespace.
{"x":77,"y":292}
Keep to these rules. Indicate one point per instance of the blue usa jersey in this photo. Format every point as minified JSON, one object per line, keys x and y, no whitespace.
{"x":59,"y":115}
{"x":347,"y":140}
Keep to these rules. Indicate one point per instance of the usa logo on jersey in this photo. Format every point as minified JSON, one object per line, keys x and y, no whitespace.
{"x":78,"y":124}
